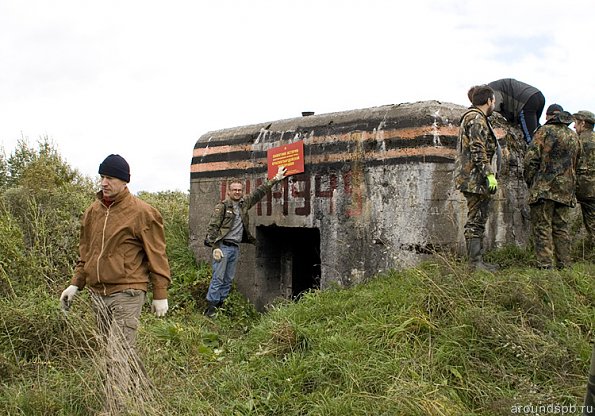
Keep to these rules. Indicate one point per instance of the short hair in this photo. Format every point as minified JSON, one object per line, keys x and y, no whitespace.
{"x":481,"y":94}
{"x":234,"y":180}
{"x":471,"y":92}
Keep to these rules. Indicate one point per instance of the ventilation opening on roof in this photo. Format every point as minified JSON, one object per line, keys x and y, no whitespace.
{"x":287,"y":261}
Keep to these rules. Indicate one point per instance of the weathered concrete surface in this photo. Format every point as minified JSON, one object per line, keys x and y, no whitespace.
{"x":378,"y":187}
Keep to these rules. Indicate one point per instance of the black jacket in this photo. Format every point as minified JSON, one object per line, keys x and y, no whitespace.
{"x":511,"y":97}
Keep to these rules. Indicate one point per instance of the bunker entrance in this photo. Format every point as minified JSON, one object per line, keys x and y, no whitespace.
{"x":287,"y":261}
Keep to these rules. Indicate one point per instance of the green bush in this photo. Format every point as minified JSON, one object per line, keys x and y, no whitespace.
{"x":11,"y":251}
{"x":43,"y":199}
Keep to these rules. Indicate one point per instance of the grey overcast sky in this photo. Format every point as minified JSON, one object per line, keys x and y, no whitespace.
{"x":146,"y":79}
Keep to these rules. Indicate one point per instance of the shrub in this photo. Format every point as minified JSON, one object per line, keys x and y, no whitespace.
{"x":11,"y":251}
{"x":42,"y":205}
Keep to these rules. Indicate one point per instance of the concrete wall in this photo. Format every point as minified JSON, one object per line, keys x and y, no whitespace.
{"x":378,"y":186}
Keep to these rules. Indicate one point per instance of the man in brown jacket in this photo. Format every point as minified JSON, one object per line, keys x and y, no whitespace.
{"x":121,"y":252}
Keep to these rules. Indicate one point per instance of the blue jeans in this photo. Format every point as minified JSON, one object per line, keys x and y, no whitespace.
{"x":530,"y":115}
{"x":223,"y":273}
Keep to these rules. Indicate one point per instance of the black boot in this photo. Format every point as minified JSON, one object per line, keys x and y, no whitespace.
{"x":211,"y":310}
{"x":475,"y":258}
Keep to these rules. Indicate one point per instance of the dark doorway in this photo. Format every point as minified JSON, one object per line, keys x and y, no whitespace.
{"x":287,"y":261}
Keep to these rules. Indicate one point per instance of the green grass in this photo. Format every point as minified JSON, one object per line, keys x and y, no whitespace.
{"x":432,"y":340}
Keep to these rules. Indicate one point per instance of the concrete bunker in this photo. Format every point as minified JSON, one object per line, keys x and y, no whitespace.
{"x":377,"y":193}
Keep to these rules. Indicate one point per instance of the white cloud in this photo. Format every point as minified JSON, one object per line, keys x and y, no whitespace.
{"x":147,"y":78}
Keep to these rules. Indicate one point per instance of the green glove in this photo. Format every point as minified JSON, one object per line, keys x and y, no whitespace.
{"x":492,"y":183}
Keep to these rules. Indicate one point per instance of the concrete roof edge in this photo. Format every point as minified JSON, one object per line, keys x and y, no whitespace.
{"x":321,"y":119}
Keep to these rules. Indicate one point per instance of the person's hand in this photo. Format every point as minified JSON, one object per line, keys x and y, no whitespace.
{"x":492,"y":183}
{"x":68,"y":296}
{"x":280,"y":173}
{"x":217,"y":254}
{"x":159,"y":307}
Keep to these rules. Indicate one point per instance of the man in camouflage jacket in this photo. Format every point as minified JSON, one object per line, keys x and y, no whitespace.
{"x":474,"y":175}
{"x":228,"y":227}
{"x":585,"y":173}
{"x":550,"y":173}
{"x":585,"y":194}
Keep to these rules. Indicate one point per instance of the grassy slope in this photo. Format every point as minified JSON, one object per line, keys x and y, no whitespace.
{"x":432,"y":340}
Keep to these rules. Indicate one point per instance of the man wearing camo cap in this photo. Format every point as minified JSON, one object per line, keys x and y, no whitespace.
{"x":550,"y":172}
{"x":552,"y":110}
{"x":585,"y":173}
{"x":585,"y":193}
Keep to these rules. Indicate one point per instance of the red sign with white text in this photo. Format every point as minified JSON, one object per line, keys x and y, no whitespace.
{"x":291,"y":156}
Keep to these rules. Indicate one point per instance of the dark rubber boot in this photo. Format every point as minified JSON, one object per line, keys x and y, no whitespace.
{"x":475,"y":258}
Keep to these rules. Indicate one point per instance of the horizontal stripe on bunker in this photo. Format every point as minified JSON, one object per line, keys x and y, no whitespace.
{"x":236,"y":169}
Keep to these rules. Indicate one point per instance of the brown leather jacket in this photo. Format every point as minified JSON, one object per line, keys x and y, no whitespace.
{"x":122,"y":247}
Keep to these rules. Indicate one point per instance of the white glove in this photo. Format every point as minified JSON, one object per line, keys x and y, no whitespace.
{"x":159,"y":307}
{"x":280,"y":173}
{"x":217,"y":254}
{"x":68,"y":296}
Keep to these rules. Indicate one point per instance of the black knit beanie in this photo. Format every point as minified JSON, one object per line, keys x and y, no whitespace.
{"x":116,"y":167}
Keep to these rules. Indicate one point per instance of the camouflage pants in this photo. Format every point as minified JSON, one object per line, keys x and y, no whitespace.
{"x":550,"y":221}
{"x":478,"y":206}
{"x":588,"y":210}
